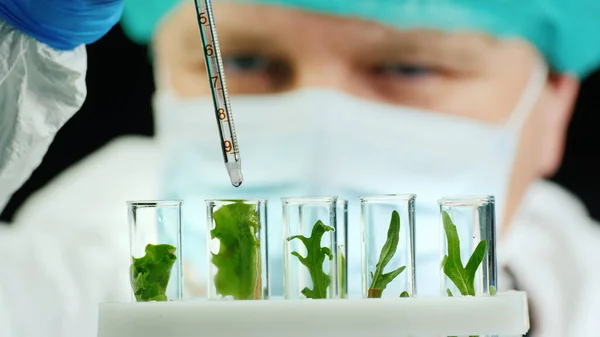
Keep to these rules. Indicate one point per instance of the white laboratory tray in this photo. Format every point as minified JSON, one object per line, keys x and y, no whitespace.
{"x":505,"y":314}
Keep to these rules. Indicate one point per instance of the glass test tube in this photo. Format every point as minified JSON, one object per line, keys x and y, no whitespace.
{"x":311,"y":260}
{"x":237,"y":249}
{"x":155,"y":248}
{"x":468,"y":246}
{"x":388,"y":245}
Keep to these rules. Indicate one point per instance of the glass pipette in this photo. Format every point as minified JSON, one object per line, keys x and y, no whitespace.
{"x":218,"y":86}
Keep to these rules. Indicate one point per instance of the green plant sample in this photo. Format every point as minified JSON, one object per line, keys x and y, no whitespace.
{"x":379,"y":280}
{"x":462,"y":277}
{"x":238,"y":261}
{"x":150,"y":274}
{"x":314,"y":260}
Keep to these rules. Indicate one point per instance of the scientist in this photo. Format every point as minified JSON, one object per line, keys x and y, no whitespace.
{"x":351,"y":98}
{"x":42,"y":84}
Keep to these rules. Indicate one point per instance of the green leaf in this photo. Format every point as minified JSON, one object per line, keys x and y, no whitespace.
{"x":314,"y":260}
{"x":453,"y":267}
{"x":462,"y":277}
{"x":238,"y":261}
{"x":379,"y":280}
{"x":391,"y":244}
{"x":492,"y":290}
{"x":404,"y":294}
{"x":150,"y":273}
{"x":473,"y":265}
{"x":385,"y":279}
{"x":449,"y":293}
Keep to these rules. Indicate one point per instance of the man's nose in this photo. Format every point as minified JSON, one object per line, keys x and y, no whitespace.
{"x":330,"y":74}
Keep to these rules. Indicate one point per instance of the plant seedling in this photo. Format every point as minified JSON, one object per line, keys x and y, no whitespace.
{"x":314,"y":260}
{"x":238,"y":259}
{"x":462,"y":277}
{"x":379,"y":279}
{"x":150,"y":274}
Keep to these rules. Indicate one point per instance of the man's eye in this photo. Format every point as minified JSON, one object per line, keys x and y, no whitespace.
{"x":246,"y":63}
{"x":404,"y":70}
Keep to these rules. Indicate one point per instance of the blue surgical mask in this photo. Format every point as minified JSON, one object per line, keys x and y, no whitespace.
{"x":323,"y":142}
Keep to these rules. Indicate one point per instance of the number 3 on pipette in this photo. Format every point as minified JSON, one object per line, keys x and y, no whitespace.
{"x":218,"y":85}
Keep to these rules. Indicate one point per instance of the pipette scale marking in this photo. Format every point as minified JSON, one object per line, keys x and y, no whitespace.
{"x":218,"y":85}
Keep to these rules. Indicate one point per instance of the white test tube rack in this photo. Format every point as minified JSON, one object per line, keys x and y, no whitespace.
{"x":505,"y":314}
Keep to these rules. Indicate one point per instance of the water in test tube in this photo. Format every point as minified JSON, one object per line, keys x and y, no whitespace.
{"x":237,"y":226}
{"x":155,"y":235}
{"x":312,"y":230}
{"x":468,"y":246}
{"x":218,"y":85}
{"x":388,"y":245}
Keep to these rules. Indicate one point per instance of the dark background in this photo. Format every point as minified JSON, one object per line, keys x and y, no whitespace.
{"x":120,"y":85}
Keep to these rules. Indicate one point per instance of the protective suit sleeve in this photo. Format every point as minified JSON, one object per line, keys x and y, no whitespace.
{"x":40,"y":89}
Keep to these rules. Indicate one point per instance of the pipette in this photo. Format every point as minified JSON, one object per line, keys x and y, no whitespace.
{"x":218,"y":86}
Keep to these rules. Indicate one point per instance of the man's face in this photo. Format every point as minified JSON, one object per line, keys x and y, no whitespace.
{"x":268,"y":49}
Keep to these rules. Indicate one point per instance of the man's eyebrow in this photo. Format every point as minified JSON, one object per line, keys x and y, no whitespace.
{"x":462,"y":51}
{"x":238,"y":44}
{"x":237,"y":38}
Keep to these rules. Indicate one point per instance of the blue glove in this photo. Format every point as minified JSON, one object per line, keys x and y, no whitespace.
{"x":62,"y":24}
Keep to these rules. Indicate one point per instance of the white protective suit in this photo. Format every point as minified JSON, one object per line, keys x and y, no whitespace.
{"x":40,"y":89}
{"x":552,"y":248}
{"x":45,"y":276}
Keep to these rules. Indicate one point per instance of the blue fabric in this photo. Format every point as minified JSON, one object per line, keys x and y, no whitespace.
{"x":62,"y":24}
{"x":564,"y":31}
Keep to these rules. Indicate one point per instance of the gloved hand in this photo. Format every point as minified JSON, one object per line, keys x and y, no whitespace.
{"x":62,"y":24}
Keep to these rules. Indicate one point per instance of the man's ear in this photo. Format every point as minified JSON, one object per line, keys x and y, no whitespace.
{"x":557,"y":108}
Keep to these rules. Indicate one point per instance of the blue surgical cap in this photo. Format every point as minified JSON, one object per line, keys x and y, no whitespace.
{"x":565,"y":31}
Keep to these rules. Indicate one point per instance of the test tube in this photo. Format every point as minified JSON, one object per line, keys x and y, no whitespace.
{"x":155,"y":248}
{"x":468,"y":245}
{"x":388,"y":245}
{"x":312,"y":262}
{"x":237,"y":249}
